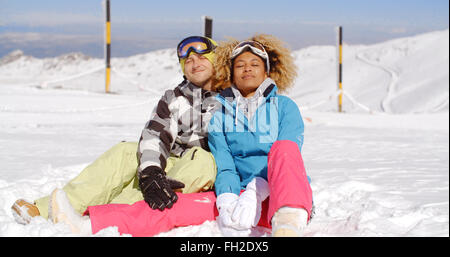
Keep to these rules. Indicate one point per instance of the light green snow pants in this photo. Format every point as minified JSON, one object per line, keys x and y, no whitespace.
{"x":112,"y":178}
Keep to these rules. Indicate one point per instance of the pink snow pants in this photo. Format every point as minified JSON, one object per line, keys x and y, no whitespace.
{"x":288,"y":184}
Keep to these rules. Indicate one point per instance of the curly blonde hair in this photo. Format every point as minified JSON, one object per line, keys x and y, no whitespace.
{"x":282,"y":67}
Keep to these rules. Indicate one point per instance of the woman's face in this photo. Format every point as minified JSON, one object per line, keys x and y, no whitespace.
{"x":248,"y":73}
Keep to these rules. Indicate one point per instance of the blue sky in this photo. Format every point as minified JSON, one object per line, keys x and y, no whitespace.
{"x":52,"y":27}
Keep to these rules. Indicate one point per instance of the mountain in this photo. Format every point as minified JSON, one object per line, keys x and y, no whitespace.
{"x":405,"y":75}
{"x":373,"y":173}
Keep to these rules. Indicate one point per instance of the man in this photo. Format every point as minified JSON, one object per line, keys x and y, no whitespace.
{"x":172,"y":153}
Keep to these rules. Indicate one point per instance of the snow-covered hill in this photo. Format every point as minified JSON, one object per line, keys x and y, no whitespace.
{"x":406,"y":75}
{"x":381,"y":168}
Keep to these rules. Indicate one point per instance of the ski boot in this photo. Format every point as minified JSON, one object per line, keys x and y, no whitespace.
{"x":24,"y":211}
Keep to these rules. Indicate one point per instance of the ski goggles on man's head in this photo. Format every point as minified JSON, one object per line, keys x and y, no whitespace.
{"x":199,"y":45}
{"x":255,"y":48}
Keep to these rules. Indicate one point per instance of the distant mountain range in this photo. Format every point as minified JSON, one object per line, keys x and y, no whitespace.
{"x":405,"y":75}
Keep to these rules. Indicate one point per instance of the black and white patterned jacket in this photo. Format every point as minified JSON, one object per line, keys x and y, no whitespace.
{"x":178,"y":122}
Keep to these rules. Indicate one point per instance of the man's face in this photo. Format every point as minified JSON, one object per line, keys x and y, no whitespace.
{"x":198,"y":70}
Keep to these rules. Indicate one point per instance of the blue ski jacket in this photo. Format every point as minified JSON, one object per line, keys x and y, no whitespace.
{"x":240,"y":137}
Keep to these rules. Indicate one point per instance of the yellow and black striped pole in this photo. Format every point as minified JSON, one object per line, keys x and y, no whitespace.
{"x":108,"y":46}
{"x":340,"y":68}
{"x":208,"y":26}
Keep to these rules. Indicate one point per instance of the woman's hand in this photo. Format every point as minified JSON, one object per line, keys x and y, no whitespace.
{"x":247,"y":211}
{"x":238,"y":214}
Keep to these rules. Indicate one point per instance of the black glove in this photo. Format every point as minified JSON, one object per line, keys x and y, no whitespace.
{"x":157,"y":188}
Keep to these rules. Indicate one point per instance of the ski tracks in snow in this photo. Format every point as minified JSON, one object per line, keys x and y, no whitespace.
{"x":385,"y":104}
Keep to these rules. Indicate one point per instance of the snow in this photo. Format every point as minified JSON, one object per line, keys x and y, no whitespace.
{"x":380,"y":168}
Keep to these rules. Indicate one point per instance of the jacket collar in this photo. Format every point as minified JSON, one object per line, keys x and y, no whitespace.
{"x":233,"y":100}
{"x":266,"y":88}
{"x":189,"y":90}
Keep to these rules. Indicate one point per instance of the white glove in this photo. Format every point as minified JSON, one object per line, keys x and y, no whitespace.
{"x":247,"y":211}
{"x":226,"y":203}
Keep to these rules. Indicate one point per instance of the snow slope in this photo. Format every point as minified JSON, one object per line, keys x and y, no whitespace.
{"x":381,"y":168}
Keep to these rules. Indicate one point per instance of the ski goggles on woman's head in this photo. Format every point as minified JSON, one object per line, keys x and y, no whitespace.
{"x":199,"y":45}
{"x":255,"y":48}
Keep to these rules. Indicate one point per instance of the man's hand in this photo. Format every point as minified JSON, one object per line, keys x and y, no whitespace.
{"x":157,"y":188}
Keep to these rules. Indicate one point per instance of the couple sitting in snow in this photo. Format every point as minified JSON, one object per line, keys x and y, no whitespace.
{"x":223,"y":128}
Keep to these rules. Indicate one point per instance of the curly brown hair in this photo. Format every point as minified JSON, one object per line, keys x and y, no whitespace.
{"x":282,"y":67}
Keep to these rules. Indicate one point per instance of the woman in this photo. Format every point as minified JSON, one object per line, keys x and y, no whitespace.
{"x":255,"y":138}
